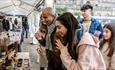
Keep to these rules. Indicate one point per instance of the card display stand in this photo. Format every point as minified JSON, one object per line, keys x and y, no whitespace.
{"x":23,"y":61}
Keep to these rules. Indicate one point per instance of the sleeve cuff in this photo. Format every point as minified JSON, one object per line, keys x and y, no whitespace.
{"x":64,"y":51}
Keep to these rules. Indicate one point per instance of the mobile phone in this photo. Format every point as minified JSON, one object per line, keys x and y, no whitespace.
{"x":97,"y":33}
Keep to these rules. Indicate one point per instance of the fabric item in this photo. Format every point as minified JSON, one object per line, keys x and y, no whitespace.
{"x":109,"y":61}
{"x":89,"y":56}
{"x":86,"y":28}
{"x":1,"y":27}
{"x":11,"y":25}
{"x":5,"y":24}
{"x":48,"y":36}
{"x":94,"y":26}
{"x":79,"y":32}
{"x":42,"y":57}
{"x":54,"y":60}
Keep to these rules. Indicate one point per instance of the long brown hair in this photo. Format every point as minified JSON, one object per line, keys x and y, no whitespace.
{"x":71,"y":23}
{"x":111,"y":41}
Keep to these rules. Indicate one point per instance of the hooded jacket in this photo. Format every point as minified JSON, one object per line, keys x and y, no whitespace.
{"x":89,"y":56}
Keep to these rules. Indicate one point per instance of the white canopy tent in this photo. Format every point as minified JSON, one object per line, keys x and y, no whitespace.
{"x":18,"y":7}
{"x":29,"y":8}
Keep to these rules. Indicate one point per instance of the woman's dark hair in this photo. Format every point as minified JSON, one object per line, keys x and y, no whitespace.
{"x":71,"y":23}
{"x":111,"y":41}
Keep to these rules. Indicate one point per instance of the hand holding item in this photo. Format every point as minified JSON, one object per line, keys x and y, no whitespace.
{"x":97,"y":33}
{"x":41,"y":50}
{"x":38,"y":36}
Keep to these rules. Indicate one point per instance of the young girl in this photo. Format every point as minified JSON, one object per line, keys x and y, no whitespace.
{"x":41,"y":50}
{"x":107,"y":46}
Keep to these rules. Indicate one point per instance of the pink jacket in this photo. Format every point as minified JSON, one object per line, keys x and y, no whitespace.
{"x":89,"y":57}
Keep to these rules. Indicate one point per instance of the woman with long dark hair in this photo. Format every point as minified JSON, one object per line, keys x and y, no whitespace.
{"x":54,"y":55}
{"x":85,"y":55}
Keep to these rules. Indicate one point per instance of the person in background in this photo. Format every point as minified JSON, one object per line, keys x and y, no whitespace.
{"x":85,"y":55}
{"x":42,"y":40}
{"x":48,"y":19}
{"x":107,"y":45}
{"x":15,"y":21}
{"x":89,"y":24}
{"x":1,"y":27}
{"x":11,"y":24}
{"x":5,"y":24}
{"x":15,"y":24}
{"x":43,"y":30}
{"x":25,"y":27}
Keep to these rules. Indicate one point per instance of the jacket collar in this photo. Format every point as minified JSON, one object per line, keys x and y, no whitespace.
{"x":92,"y":20}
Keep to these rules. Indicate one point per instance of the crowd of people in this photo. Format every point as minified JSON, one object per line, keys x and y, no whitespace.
{"x":7,"y":24}
{"x":66,"y":44}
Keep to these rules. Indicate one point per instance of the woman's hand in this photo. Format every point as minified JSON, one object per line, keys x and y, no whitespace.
{"x":59,"y":44}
